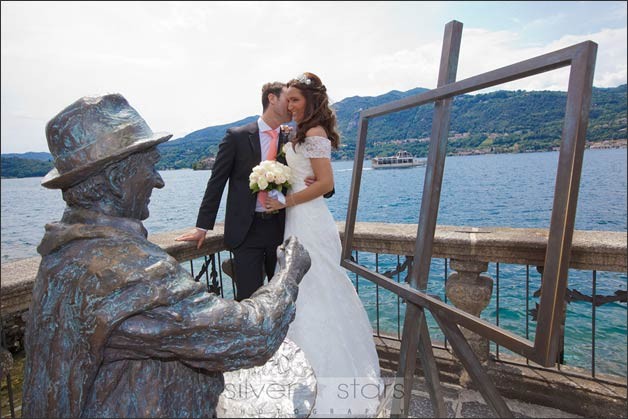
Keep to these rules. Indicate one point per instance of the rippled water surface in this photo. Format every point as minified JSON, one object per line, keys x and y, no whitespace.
{"x":513,"y":190}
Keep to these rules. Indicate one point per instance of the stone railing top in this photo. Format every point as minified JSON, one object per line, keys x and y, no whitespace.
{"x":591,"y":250}
{"x":183,"y":251}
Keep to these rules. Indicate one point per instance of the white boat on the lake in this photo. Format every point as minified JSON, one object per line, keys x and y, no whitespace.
{"x":401,"y":159}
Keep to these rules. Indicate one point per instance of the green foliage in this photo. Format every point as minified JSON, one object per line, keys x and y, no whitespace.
{"x":186,"y":152}
{"x":15,"y":167}
{"x":502,"y":121}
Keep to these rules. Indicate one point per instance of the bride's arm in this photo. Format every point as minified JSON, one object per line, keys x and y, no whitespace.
{"x":323,"y":184}
{"x":323,"y":173}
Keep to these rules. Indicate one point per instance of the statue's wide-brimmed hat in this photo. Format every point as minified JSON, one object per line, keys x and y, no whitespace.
{"x":92,"y":133}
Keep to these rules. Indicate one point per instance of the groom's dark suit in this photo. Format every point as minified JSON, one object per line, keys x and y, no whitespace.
{"x":253,"y":237}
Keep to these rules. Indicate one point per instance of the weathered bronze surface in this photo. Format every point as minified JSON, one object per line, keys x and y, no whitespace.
{"x":581,"y":59}
{"x":116,"y":328}
{"x":546,"y":344}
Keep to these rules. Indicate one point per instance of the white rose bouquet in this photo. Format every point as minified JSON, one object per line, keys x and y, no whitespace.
{"x":270,"y":176}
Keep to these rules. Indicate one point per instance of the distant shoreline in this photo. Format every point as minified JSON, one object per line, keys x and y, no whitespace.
{"x":601,"y":145}
{"x":609,"y":144}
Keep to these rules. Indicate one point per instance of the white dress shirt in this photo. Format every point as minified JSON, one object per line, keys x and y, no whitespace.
{"x":264,"y":139}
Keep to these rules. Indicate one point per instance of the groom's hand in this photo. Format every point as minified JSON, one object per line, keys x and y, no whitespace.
{"x":197,"y":235}
{"x":311,"y":179}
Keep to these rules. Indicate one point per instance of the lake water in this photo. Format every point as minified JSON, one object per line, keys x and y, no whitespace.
{"x":508,"y":190}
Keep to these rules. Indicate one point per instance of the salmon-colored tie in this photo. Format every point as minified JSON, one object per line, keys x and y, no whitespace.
{"x":271,"y":155}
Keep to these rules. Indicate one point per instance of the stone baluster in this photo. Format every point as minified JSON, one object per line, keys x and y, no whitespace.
{"x":470,"y":291}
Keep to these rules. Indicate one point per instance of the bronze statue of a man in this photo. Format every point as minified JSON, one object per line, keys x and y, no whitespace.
{"x":116,"y":327}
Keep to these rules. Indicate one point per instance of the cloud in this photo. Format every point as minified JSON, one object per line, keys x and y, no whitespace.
{"x":187,"y":65}
{"x":484,"y":50}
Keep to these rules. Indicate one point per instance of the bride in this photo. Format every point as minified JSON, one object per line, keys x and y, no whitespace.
{"x":331,"y":325}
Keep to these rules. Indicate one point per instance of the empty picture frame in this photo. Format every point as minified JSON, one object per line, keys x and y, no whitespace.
{"x":544,"y":348}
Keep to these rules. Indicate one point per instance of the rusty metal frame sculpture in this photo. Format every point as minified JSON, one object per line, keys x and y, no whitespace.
{"x":544,"y":348}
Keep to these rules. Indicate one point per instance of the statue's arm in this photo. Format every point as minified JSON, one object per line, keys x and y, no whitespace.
{"x":212,"y":333}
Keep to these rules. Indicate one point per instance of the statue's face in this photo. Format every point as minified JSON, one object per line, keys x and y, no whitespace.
{"x":137,"y":189}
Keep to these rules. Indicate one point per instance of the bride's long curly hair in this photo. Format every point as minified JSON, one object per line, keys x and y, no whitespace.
{"x":317,"y":110}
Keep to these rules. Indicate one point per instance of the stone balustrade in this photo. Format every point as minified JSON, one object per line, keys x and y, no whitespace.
{"x":590,"y":250}
{"x":468,"y":248}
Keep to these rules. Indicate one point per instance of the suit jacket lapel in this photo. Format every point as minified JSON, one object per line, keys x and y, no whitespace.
{"x":255,"y":143}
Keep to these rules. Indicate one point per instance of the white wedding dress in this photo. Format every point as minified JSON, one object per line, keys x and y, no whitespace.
{"x":331,"y":325}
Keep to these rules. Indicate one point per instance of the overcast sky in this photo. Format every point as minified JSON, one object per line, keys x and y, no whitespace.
{"x":186,"y":66}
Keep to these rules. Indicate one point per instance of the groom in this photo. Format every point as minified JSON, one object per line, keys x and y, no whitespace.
{"x":250,"y":232}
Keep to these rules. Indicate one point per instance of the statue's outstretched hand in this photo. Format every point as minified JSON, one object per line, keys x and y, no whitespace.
{"x":293,"y":258}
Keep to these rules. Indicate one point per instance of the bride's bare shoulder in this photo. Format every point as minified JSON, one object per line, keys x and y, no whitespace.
{"x":316,"y":131}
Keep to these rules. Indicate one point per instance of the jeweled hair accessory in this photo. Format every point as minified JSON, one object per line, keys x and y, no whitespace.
{"x":303,"y":79}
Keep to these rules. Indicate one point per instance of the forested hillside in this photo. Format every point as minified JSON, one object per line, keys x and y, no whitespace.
{"x":497,"y":122}
{"x":502,"y":121}
{"x":17,"y":167}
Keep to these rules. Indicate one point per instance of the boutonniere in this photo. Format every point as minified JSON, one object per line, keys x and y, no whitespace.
{"x":286,"y":134}
{"x":286,"y":131}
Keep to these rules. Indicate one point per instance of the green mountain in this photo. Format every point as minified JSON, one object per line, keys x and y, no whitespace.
{"x":497,"y":122}
{"x":18,"y":167}
{"x":41,"y":155}
{"x":198,"y":145}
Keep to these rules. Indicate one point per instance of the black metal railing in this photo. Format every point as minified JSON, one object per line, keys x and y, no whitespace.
{"x":210,"y":270}
{"x":497,"y":306}
{"x":598,"y":259}
{"x":6,"y":373}
{"x":385,"y":307}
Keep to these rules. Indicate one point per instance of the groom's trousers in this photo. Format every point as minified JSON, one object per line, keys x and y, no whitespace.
{"x":256,"y":257}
